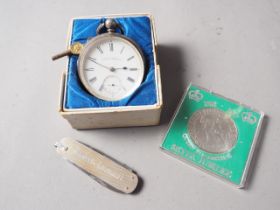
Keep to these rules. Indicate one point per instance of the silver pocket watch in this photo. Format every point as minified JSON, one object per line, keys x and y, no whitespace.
{"x":111,"y":66}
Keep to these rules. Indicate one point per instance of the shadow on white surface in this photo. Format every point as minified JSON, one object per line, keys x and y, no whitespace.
{"x":173,"y":70}
{"x":257,"y":153}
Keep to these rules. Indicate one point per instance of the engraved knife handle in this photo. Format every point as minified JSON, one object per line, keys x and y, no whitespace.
{"x":107,"y":171}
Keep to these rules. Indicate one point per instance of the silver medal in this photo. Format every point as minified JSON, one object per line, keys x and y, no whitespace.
{"x":212,"y":130}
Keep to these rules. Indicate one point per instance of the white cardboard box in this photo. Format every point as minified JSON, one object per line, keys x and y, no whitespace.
{"x":107,"y":117}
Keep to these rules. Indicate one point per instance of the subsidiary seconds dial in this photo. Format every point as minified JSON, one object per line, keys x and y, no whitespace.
{"x":111,"y":66}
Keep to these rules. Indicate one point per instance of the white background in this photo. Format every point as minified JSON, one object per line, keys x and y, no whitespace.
{"x":231,"y":47}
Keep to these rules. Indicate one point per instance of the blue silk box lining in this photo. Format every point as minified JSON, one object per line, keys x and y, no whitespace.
{"x":136,"y":28}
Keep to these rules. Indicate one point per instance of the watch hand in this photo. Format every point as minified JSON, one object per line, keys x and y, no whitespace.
{"x":124,"y":68}
{"x":106,"y":67}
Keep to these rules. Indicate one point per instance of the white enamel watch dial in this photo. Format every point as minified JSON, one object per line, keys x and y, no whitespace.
{"x":111,"y":66}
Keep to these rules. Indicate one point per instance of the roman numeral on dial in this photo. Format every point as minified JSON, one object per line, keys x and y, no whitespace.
{"x":100,"y":50}
{"x":130,"y":79}
{"x":92,"y":59}
{"x":122,"y":50}
{"x":93,"y":79}
{"x":133,"y":69}
{"x":111,"y":46}
{"x":89,"y":69}
{"x":130,"y":58}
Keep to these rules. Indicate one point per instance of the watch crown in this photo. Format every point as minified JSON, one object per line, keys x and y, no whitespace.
{"x":111,"y":24}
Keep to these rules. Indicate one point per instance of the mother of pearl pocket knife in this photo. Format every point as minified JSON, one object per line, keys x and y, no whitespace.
{"x":103,"y":169}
